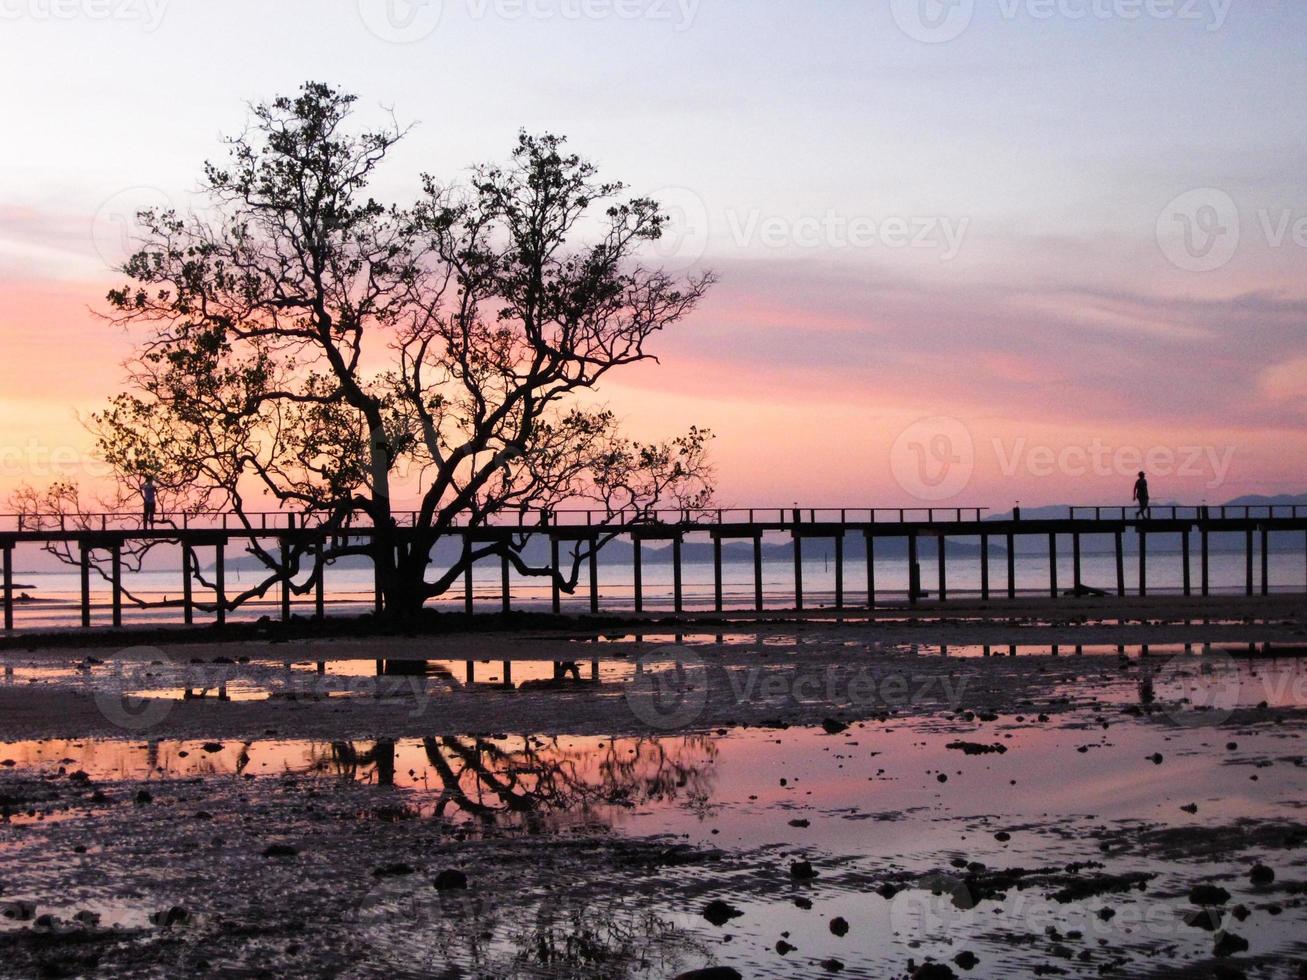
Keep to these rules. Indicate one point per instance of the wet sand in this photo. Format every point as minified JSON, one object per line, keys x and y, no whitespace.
{"x":796,"y":799}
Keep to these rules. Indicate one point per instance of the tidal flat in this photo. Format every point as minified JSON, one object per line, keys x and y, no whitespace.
{"x":776,"y":800}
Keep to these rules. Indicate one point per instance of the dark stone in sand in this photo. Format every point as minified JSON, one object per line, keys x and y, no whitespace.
{"x":1107,"y":915}
{"x":1002,"y":837}
{"x":1229,"y":944}
{"x":1209,"y":920}
{"x":802,"y":871}
{"x":719,"y":913}
{"x":833,"y":727}
{"x":212,"y":747}
{"x":450,"y":878}
{"x":977,"y":748}
{"x":887,"y":891}
{"x":1190,"y":808}
{"x":710,"y":973}
{"x":20,"y":909}
{"x":799,"y":823}
{"x":966,"y":959}
{"x":1208,"y":895}
{"x":934,"y":971}
{"x":784,"y":948}
{"x":167,"y":918}
{"x":1155,"y":758}
{"x":802,"y":903}
{"x":280,"y":851}
{"x":1261,"y":875}
{"x":832,"y":965}
{"x":839,"y":926}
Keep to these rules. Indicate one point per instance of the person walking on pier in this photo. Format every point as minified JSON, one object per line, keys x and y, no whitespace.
{"x":1141,"y":497}
{"x":148,"y":497}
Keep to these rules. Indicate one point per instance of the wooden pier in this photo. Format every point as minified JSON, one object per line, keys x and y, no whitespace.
{"x":109,"y":535}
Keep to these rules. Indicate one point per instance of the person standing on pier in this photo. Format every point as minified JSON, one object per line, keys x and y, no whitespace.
{"x":148,"y":497}
{"x":1141,"y":496}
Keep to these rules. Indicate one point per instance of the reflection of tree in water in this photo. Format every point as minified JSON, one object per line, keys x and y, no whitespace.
{"x":409,"y":930}
{"x":532,"y":777}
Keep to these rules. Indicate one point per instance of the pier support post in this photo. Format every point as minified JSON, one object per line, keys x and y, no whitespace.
{"x":468,"y":605}
{"x":677,"y":598}
{"x":378,"y":593}
{"x":320,"y":585}
{"x":1120,"y":565}
{"x":1248,"y":559}
{"x":1205,"y":561}
{"x":717,"y":572}
{"x":1011,"y":566}
{"x":839,"y":570}
{"x":984,"y":567}
{"x":285,"y":580}
{"x":639,"y":575}
{"x":798,"y":570}
{"x":220,"y":583}
{"x":1052,"y":564}
{"x":188,"y":596}
{"x":871,"y":570}
{"x":555,"y":597}
{"x":116,"y":556}
{"x":505,"y":596}
{"x":1184,"y":558}
{"x":594,"y":575}
{"x":757,"y":572}
{"x":1077,"y":581}
{"x":86,"y":582}
{"x":941,"y":545}
{"x":1266,"y":542}
{"x":914,"y":573}
{"x":8,"y":560}
{"x":1143,"y":562}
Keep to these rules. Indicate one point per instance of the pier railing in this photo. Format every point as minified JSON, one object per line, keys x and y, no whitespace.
{"x":534,"y":519}
{"x":303,"y":539}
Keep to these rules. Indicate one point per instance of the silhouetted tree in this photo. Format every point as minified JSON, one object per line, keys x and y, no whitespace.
{"x":308,"y":344}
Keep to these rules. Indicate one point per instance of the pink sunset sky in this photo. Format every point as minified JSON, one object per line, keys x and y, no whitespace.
{"x":1013,"y":251}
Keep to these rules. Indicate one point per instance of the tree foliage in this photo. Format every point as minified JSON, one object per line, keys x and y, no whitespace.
{"x":304,"y":345}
